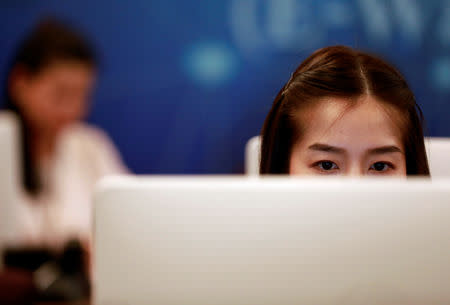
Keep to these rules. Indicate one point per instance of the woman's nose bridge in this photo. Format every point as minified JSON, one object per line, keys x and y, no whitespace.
{"x":355,"y":169}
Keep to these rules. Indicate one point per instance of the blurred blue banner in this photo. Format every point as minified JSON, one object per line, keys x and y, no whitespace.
{"x":184,"y":84}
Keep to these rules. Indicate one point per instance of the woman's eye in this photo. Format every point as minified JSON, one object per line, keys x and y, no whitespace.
{"x":326,"y":165}
{"x":381,"y":166}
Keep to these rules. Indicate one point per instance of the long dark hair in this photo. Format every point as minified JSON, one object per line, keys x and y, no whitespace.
{"x":340,"y":71}
{"x":49,"y":42}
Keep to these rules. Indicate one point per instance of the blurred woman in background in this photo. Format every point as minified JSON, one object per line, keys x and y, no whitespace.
{"x":49,"y":84}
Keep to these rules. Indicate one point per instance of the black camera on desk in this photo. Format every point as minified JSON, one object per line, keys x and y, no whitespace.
{"x":55,"y":276}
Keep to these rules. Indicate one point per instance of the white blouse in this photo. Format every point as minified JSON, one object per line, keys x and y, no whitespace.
{"x":63,"y":211}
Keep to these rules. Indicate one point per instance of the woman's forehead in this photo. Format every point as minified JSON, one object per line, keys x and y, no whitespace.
{"x":340,"y":121}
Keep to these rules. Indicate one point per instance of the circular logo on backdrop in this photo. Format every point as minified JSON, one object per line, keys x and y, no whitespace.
{"x":210,"y":63}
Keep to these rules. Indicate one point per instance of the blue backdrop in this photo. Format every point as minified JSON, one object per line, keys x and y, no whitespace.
{"x":184,"y":84}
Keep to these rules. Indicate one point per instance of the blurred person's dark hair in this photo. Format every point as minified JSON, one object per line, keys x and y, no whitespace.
{"x":342,"y":72}
{"x":50,"y":41}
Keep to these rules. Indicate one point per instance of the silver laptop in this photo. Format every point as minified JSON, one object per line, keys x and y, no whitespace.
{"x":9,"y":175}
{"x":247,"y":241}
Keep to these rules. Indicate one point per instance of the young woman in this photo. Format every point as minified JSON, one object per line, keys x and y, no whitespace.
{"x":344,"y":112}
{"x":48,"y":86}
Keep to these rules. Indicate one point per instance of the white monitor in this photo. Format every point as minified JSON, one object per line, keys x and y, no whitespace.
{"x":9,"y":175}
{"x":246,"y":241}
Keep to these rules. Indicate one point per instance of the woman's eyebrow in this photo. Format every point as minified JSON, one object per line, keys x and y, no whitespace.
{"x":384,"y":150}
{"x":327,"y":148}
